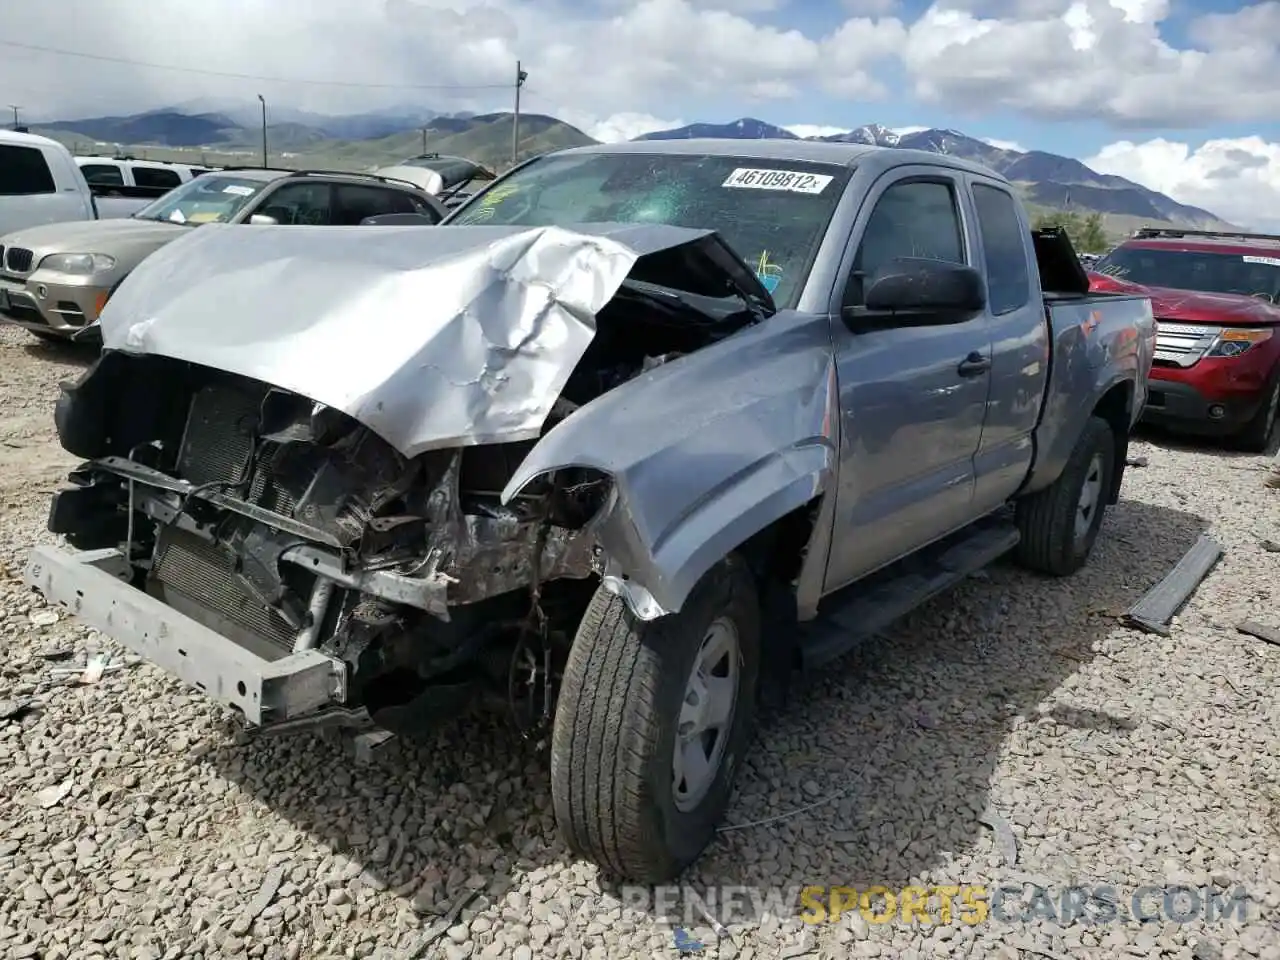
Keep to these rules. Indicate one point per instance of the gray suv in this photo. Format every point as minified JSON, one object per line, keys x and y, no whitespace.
{"x":55,"y":279}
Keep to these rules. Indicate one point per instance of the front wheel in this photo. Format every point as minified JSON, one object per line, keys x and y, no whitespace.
{"x":651,"y":723}
{"x":1060,"y":523}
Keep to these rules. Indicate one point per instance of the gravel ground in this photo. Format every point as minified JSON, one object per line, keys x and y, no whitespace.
{"x":1111,"y":756}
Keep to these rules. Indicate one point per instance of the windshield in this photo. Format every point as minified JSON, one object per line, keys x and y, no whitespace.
{"x":209,"y":198}
{"x":1252,"y":275}
{"x":773,"y":213}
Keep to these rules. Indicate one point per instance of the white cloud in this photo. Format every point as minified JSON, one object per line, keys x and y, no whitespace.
{"x":1097,"y":59}
{"x":1004,"y":144}
{"x":814,"y":130}
{"x":1238,"y":179}
{"x":633,"y":57}
{"x":1092,"y":59}
{"x":628,"y":126}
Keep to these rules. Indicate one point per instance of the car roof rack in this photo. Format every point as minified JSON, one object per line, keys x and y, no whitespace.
{"x":132,"y":159}
{"x":354,"y":174}
{"x":1151,"y":233}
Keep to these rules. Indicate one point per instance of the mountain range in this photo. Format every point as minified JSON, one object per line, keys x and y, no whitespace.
{"x":225,"y":134}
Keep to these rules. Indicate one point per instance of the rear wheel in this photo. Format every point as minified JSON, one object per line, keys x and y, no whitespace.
{"x":1060,"y":523}
{"x":651,"y":724}
{"x":1256,"y":435}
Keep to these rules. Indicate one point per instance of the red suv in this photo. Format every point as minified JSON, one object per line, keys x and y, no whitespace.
{"x":1216,"y":297}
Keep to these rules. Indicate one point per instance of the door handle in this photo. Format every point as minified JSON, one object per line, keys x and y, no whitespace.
{"x":974,"y":365}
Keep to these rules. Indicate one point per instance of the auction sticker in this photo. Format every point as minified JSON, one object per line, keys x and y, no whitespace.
{"x":789,"y":181}
{"x":1269,"y":261}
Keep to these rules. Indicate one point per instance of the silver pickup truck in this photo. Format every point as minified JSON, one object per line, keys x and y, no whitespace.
{"x":636,"y":431}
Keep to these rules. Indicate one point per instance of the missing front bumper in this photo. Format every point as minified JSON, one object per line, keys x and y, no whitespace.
{"x":91,"y":584}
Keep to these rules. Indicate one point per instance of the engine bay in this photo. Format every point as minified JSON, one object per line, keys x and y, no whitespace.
{"x":285,"y":525}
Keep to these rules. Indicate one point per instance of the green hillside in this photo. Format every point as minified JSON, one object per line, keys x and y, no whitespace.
{"x":485,"y":139}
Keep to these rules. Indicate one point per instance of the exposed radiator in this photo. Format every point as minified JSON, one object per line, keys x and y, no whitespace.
{"x":219,"y":435}
{"x":206,"y":574}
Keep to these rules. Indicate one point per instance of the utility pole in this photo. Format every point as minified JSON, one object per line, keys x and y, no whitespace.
{"x":424,"y":141}
{"x":263,"y":101}
{"x":521,"y":77}
{"x":15,"y":108}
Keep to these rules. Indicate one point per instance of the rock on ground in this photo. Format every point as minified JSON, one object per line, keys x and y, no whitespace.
{"x":1113,"y":757}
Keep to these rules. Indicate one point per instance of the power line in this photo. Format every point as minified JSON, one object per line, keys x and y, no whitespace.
{"x":249,"y":76}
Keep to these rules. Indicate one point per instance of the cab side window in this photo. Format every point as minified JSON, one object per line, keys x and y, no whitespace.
{"x":355,"y":202}
{"x":299,"y":204}
{"x":916,"y":218}
{"x":1004,"y":249}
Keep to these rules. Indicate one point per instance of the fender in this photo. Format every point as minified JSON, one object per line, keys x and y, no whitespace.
{"x":1088,"y":361}
{"x":704,"y":452}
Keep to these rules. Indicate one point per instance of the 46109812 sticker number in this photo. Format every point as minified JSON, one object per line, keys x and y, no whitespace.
{"x":746,"y":178}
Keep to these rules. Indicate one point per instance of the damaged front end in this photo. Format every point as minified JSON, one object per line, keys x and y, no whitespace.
{"x":312,"y":548}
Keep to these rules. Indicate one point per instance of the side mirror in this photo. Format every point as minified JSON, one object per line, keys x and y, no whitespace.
{"x":262,"y":220}
{"x":922,"y":291}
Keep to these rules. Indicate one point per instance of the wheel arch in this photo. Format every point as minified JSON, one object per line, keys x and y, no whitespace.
{"x":1116,"y":408}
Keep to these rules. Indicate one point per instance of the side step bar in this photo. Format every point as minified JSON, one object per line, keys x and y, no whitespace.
{"x":867,"y":607}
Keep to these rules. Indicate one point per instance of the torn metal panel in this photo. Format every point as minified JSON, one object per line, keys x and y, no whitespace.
{"x":704,"y":452}
{"x":430,"y":338}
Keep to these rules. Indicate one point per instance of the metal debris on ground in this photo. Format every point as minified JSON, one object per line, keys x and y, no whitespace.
{"x":441,"y":926}
{"x":1156,"y":608}
{"x":92,"y":670}
{"x":1136,"y":461}
{"x":1260,"y":631}
{"x":778,"y":818}
{"x":1005,"y":841}
{"x":44,"y":618}
{"x":266,"y":893}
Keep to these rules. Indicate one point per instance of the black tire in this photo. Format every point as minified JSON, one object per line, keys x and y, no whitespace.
{"x":1255,"y":437}
{"x":1047,"y":518}
{"x":614,"y":735}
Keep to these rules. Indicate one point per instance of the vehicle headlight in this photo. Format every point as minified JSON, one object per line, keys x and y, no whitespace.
{"x":79,"y":264}
{"x":1234,"y":342}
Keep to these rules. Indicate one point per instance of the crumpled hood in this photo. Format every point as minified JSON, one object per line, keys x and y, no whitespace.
{"x":1193,"y":306}
{"x":88,"y":236}
{"x":431,"y":337}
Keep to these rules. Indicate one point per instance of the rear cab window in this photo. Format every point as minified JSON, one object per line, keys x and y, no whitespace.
{"x":1004,"y":249}
{"x":24,"y":171}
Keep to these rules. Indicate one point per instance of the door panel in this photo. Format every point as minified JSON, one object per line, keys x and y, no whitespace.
{"x":1020,"y":347}
{"x":911,"y":421}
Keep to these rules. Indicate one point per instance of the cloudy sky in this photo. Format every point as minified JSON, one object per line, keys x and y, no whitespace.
{"x":1180,"y":95}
